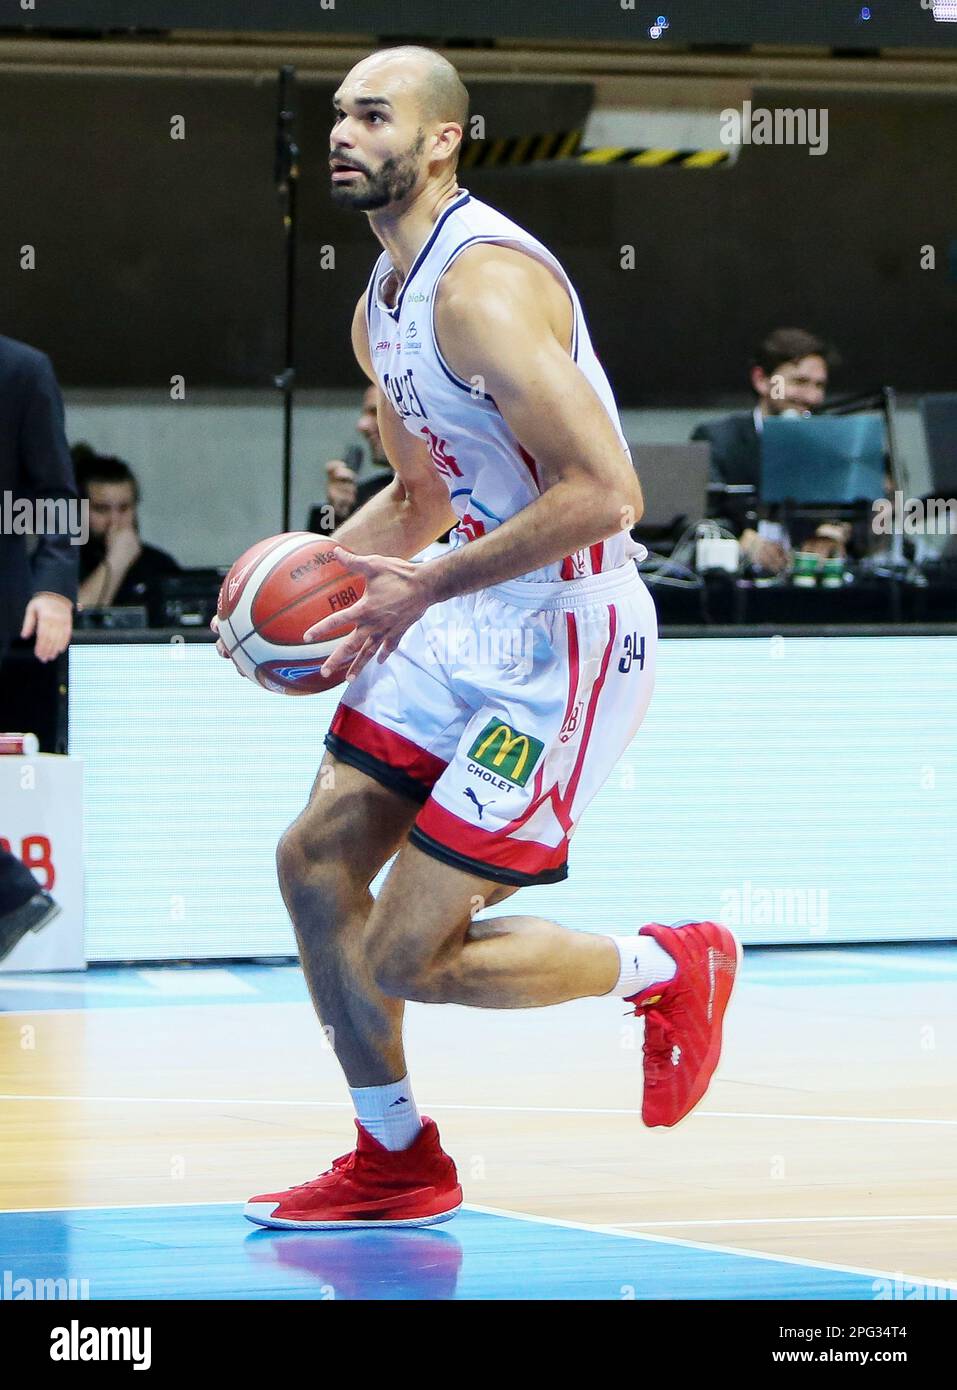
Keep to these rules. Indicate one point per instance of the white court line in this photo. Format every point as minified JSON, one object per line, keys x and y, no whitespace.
{"x":158,"y":985}
{"x":723,"y":1249}
{"x":837,"y":974}
{"x":781,"y":1220}
{"x":125,"y":1206}
{"x":193,"y":983}
{"x":491,"y":1109}
{"x":705,"y":1246}
{"x":872,"y":969}
{"x":889,"y":964}
{"x":203,"y":1100}
{"x":833,"y":1119}
{"x":158,"y":1002}
{"x":70,"y":987}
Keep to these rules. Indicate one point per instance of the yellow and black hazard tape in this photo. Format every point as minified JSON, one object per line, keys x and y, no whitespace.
{"x":530,"y":149}
{"x":520,"y":149}
{"x":655,"y":158}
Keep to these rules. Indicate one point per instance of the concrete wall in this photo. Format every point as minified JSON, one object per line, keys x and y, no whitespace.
{"x":157,"y":256}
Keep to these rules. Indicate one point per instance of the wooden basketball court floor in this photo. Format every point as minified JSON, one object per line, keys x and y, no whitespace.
{"x":140,"y":1107}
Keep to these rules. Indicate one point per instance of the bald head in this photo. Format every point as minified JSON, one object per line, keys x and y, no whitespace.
{"x":442,"y":93}
{"x":439,"y":92}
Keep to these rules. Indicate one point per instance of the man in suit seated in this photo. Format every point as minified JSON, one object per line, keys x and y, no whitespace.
{"x":368,"y":426}
{"x":38,"y":586}
{"x":789,"y":373}
{"x":344,"y":493}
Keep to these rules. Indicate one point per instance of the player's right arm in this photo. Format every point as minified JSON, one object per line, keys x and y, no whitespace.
{"x":414,"y":509}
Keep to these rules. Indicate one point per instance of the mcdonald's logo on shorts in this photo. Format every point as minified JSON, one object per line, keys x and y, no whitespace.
{"x":506,"y":751}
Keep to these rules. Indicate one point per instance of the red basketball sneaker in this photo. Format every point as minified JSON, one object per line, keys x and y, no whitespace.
{"x":372,"y":1186}
{"x":683,"y":1017}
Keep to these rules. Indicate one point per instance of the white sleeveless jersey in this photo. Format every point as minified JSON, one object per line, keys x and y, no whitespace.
{"x":490,"y":476}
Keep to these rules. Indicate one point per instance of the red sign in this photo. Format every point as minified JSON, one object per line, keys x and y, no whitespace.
{"x":37,"y":853}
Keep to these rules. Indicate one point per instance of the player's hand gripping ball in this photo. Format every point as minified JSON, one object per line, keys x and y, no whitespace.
{"x":273,"y":593}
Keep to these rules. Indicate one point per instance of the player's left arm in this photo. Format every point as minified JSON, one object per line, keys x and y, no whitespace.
{"x":497,"y":326}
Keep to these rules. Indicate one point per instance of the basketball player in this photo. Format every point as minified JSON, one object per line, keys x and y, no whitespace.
{"x":490,"y":691}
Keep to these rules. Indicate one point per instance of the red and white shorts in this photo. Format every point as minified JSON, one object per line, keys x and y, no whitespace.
{"x":503,"y":712}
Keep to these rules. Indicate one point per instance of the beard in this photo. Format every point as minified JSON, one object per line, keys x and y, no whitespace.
{"x":393,"y":180}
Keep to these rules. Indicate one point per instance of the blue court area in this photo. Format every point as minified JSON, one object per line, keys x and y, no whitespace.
{"x":125,"y":987}
{"x":162,"y":986}
{"x":196,"y":1252}
{"x":207,"y":1250}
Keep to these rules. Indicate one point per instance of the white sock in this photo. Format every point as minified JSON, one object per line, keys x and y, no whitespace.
{"x":389,"y":1113}
{"x":643,"y":963}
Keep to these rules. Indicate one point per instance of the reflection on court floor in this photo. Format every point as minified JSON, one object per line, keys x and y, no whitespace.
{"x":141,"y":1106}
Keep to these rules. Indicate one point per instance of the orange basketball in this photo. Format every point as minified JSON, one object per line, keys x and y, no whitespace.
{"x":274,"y":591}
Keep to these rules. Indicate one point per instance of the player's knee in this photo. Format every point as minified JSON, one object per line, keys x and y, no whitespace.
{"x":394,"y":969}
{"x":310,"y":879}
{"x":403,"y":970}
{"x":292,"y":862}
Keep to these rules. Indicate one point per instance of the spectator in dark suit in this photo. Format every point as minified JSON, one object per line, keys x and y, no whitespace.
{"x":344,"y":493}
{"x":340,"y":497}
{"x":38,"y":589}
{"x":368,"y":426}
{"x":116,"y":567}
{"x":789,"y":372}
